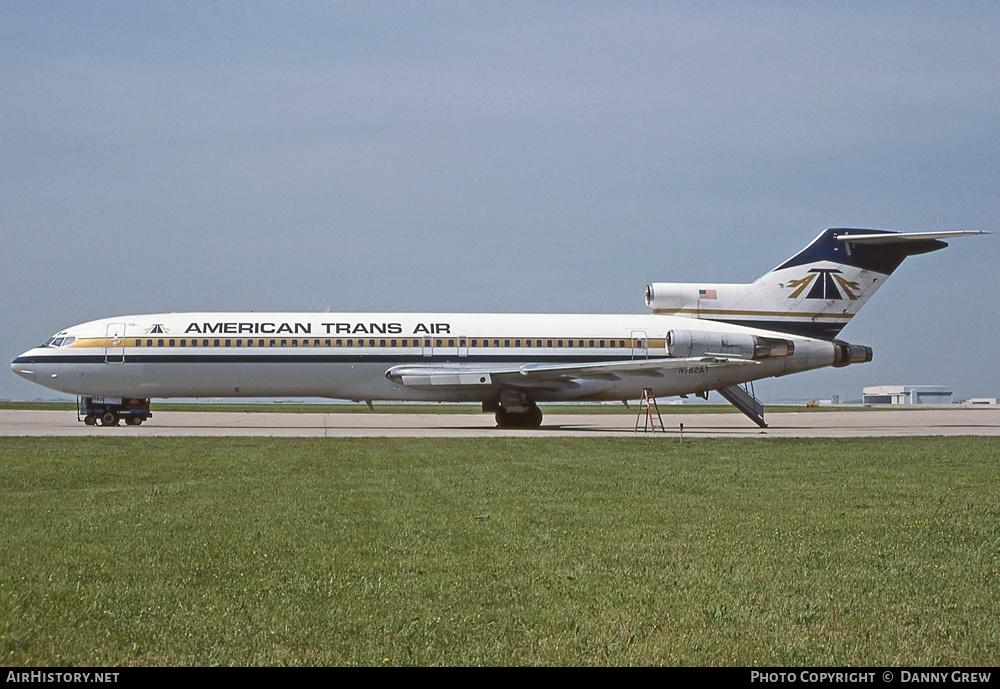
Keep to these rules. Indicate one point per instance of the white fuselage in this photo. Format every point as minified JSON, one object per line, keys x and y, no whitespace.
{"x":347,"y":355}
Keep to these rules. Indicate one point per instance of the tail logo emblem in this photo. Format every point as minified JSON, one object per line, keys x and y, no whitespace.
{"x":826,"y":283}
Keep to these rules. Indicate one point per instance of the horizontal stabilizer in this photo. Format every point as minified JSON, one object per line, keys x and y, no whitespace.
{"x":904,"y":237}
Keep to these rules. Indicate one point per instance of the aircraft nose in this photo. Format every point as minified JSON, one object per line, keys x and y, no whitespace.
{"x":22,"y":368}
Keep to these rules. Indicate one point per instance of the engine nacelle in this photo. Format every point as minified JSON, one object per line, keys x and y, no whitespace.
{"x":690,"y":343}
{"x":845,"y":354}
{"x":671,"y":295}
{"x":691,"y":297}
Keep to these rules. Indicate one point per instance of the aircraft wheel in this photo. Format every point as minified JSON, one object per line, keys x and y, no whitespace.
{"x":133,"y":420}
{"x":529,"y":419}
{"x":90,"y":420}
{"x":109,"y":419}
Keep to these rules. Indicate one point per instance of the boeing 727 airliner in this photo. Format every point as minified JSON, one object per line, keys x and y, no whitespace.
{"x":699,"y":337}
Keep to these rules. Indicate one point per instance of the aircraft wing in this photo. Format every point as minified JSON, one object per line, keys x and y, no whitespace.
{"x":533,"y":375}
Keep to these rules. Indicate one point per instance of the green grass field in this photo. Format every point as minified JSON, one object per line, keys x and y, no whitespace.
{"x":125,"y":551}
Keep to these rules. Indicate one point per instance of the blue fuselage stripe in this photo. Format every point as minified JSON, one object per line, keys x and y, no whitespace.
{"x":312,"y":358}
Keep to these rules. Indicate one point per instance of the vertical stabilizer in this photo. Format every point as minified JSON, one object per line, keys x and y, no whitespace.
{"x":814,"y":293}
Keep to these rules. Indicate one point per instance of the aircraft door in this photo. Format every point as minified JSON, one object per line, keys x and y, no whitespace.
{"x":640,"y":345}
{"x":114,"y":345}
{"x":427,"y":346}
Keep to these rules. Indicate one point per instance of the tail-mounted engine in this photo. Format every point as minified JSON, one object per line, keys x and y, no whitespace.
{"x":689,"y":343}
{"x":845,"y":354}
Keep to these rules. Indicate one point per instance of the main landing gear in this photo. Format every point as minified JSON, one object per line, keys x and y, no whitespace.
{"x":530,"y":418}
{"x":515,"y":411}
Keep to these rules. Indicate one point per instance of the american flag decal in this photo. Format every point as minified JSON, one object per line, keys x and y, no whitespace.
{"x":707,"y":294}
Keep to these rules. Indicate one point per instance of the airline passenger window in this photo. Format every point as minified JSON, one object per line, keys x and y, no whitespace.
{"x":559,"y":343}
{"x":173,"y":343}
{"x":506,"y":343}
{"x":183,"y":342}
{"x":612,"y":343}
{"x":229,"y":343}
{"x":327,"y":342}
{"x":159,"y":343}
{"x":496,"y":343}
{"x":538,"y":343}
{"x":548,"y":343}
{"x":138,"y":343}
{"x":591,"y":343}
{"x":439,"y":342}
{"x":517,"y":343}
{"x":486,"y":343}
{"x":239,"y":343}
{"x":340,"y":343}
{"x":371,"y":343}
{"x":149,"y":343}
{"x":392,"y":343}
{"x":381,"y":343}
{"x":527,"y":343}
{"x":284,"y":343}
{"x":451,"y":343}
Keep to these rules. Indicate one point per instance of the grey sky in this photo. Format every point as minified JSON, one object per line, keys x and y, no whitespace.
{"x":496,"y":157}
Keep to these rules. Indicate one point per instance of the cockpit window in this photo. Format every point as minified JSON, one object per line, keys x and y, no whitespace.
{"x":68,"y":341}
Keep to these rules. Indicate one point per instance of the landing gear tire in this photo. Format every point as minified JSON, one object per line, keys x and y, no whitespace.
{"x":133,"y":420}
{"x":109,"y":419}
{"x":90,"y":420}
{"x":532,"y":418}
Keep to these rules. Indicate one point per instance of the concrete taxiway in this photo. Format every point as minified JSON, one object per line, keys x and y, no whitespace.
{"x":833,"y":424}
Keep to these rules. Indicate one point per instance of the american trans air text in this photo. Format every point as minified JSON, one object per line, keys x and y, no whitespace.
{"x":299,"y":328}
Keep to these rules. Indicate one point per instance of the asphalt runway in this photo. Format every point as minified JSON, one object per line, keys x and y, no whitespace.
{"x":822,"y":424}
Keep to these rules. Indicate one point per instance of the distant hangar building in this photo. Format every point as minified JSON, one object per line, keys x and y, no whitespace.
{"x":907,"y":394}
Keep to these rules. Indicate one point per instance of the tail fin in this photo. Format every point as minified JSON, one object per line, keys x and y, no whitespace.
{"x":814,"y":293}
